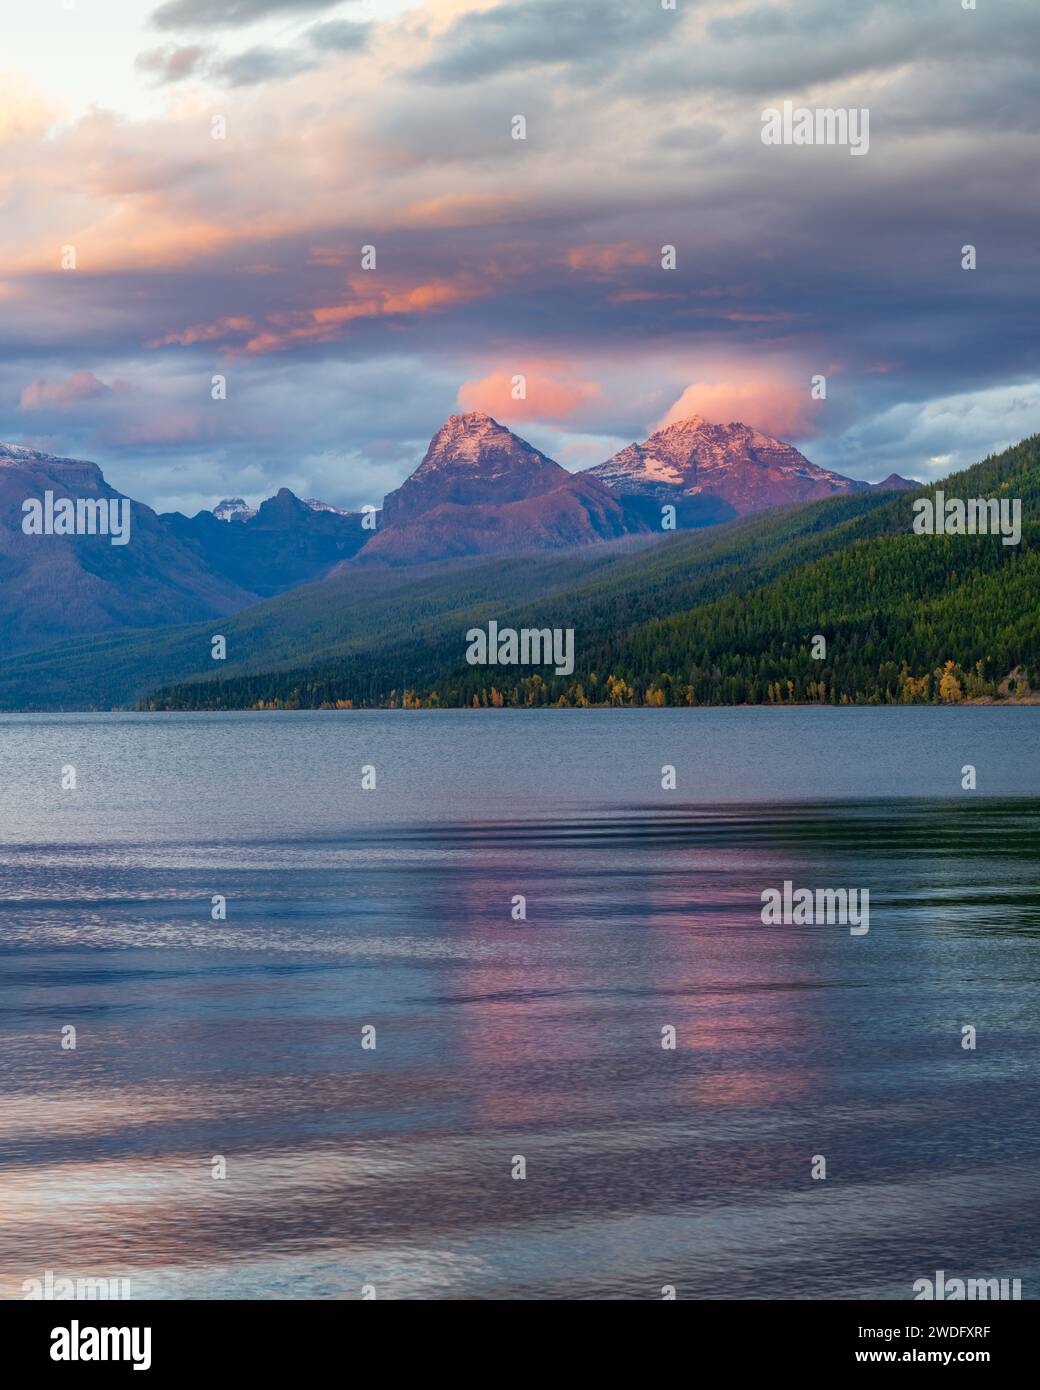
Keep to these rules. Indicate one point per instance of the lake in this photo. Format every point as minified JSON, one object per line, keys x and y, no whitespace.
{"x":497,"y":1040}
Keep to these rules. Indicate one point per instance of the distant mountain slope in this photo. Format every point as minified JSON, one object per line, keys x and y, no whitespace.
{"x":894,"y":483}
{"x":729,"y":615}
{"x":353,"y":611}
{"x":53,"y":586}
{"x":173,"y":569}
{"x":284,"y":543}
{"x":576,"y":511}
{"x":358,"y":623}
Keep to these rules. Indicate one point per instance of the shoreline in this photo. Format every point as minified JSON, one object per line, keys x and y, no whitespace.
{"x":984,"y":701}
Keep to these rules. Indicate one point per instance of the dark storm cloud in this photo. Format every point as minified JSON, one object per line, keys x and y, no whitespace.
{"x":226,"y":14}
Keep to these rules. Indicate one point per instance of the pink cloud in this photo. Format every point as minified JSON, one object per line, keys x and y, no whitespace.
{"x":548,"y":397}
{"x":206,"y":333}
{"x":375,"y":299}
{"x":775,"y":405}
{"x":166,"y":426}
{"x":611,"y":257}
{"x":466,"y":210}
{"x":639,"y":296}
{"x":61,"y":395}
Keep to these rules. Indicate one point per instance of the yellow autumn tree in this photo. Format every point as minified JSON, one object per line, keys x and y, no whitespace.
{"x":949,"y":686}
{"x":620,"y":690}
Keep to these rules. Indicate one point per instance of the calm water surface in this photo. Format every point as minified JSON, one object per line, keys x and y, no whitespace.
{"x":497,"y":1038}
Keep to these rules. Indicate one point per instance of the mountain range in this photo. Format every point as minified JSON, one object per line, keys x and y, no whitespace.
{"x":283,"y":543}
{"x":479,"y":490}
{"x":730,"y":615}
{"x":723,"y":614}
{"x":482,"y":490}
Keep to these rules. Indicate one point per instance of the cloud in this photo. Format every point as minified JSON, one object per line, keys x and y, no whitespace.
{"x":608,"y":260}
{"x":26,"y":111}
{"x":372,"y":299}
{"x":222,"y":330}
{"x":555,"y":397}
{"x":643,"y":130}
{"x":352,"y":436}
{"x":584,"y":33}
{"x":339,"y":35}
{"x":260,"y":64}
{"x":769,"y":49}
{"x":934,"y":438}
{"x":773,"y":405}
{"x":62,"y":395}
{"x":466,"y":210}
{"x":227,"y":14}
{"x":172,"y":62}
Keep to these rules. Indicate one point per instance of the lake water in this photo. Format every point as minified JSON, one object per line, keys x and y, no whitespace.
{"x":498,"y":1039}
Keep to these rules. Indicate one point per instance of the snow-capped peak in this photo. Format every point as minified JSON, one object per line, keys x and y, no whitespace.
{"x":233,"y":509}
{"x":741,"y":465}
{"x":472,"y":458}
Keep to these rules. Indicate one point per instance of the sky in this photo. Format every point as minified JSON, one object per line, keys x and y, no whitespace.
{"x":390,"y":124}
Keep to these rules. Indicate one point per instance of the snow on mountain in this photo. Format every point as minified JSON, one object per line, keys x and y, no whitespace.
{"x":317,"y":506}
{"x":472,"y":458}
{"x":233,"y":509}
{"x":736,"y":463}
{"x":482,"y":490}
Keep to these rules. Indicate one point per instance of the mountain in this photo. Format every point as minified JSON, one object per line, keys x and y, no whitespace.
{"x":894,"y":483}
{"x":317,"y":506}
{"x":482,"y":490}
{"x":173,"y":568}
{"x":726,"y":616}
{"x":472,"y":459}
{"x":233,"y":509}
{"x":57,"y":586}
{"x":711,"y":617}
{"x":284,"y":543}
{"x":715,"y":471}
{"x":349,"y":613}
